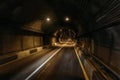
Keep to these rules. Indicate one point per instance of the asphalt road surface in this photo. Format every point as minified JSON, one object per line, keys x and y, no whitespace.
{"x":58,"y":64}
{"x":64,"y":66}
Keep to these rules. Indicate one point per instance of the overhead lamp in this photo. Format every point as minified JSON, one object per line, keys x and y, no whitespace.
{"x":67,"y":19}
{"x":48,"y":19}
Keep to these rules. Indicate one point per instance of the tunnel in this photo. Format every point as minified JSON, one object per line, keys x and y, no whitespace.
{"x":59,"y":40}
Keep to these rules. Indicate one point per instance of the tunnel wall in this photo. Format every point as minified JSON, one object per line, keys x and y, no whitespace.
{"x":107,"y":46}
{"x":18,"y":43}
{"x":12,"y":42}
{"x":104,"y":45}
{"x":102,"y":39}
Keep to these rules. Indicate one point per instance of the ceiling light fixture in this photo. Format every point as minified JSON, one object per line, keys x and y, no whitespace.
{"x":67,"y":19}
{"x":48,"y":19}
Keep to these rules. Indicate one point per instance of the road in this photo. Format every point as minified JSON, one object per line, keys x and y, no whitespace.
{"x":59,"y":64}
{"x":64,"y":66}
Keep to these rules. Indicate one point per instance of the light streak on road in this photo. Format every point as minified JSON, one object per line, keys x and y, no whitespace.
{"x":34,"y":72}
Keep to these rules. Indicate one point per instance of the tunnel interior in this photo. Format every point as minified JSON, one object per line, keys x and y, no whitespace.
{"x":63,"y":36}
{"x":93,"y":25}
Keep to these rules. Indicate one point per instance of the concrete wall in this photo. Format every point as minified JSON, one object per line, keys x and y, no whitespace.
{"x":37,"y":41}
{"x":27,"y":41}
{"x":13,"y":42}
{"x":111,"y":57}
{"x":106,"y":46}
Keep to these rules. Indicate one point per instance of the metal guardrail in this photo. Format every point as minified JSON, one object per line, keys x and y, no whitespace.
{"x":114,"y":74}
{"x":101,"y":71}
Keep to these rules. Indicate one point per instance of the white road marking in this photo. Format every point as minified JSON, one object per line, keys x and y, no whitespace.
{"x":34,"y":72}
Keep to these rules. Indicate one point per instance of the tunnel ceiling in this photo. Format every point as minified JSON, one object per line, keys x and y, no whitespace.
{"x":23,"y":12}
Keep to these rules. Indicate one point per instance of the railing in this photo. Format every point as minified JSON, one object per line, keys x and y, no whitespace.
{"x":94,"y":68}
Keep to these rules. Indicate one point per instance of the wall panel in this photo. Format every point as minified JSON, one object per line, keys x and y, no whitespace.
{"x":11,"y":43}
{"x":27,"y":42}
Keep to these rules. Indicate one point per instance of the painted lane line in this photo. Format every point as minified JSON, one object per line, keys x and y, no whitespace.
{"x":34,"y":72}
{"x":82,"y":67}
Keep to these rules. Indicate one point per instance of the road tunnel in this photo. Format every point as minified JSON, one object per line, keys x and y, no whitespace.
{"x":59,"y":40}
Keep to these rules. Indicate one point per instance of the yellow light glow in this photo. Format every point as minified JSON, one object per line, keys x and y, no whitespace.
{"x":67,"y":19}
{"x":47,"y":19}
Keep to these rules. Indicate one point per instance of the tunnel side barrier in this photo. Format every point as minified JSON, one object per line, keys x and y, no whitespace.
{"x":8,"y":59}
{"x":112,"y":73}
{"x":19,"y":55}
{"x":91,"y":72}
{"x":93,"y":69}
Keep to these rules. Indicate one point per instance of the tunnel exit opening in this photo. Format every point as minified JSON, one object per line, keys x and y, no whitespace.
{"x":64,"y":37}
